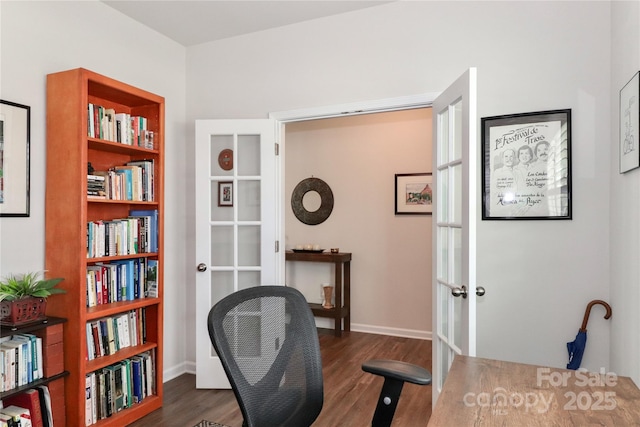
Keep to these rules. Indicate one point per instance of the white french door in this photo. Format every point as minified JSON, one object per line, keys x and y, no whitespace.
{"x":454,"y":230}
{"x":236,"y":201}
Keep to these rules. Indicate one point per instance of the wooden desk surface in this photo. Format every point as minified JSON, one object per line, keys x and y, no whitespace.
{"x":485,"y":392}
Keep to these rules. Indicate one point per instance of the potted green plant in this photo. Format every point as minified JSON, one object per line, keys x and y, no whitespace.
{"x":23,"y":297}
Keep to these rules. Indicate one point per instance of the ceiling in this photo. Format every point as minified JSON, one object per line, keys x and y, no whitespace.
{"x":191,"y":22}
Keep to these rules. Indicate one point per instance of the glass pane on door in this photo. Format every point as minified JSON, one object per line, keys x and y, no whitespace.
{"x":248,"y":155}
{"x":248,"y":200}
{"x":222,"y":240}
{"x":220,"y":143}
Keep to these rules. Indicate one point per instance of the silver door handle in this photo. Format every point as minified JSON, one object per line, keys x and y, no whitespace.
{"x":202,"y":267}
{"x":457,"y":292}
{"x":462,"y":291}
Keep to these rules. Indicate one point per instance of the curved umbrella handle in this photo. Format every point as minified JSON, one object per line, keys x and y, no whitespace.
{"x":588,"y":312}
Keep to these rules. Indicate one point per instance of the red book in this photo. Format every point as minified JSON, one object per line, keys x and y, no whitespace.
{"x":29,"y":400}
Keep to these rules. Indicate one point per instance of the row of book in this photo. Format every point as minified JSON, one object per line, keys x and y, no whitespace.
{"x":108,"y":335}
{"x":31,"y":408}
{"x":132,"y":181}
{"x":136,"y":234}
{"x":121,"y":280}
{"x":119,"y":386}
{"x":105,"y":123}
{"x":20,"y":360}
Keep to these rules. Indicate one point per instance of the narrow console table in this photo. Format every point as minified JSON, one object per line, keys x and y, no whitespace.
{"x":342,"y":267}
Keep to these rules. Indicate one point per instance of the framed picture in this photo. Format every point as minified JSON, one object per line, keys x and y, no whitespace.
{"x":630,"y":124}
{"x":225,"y":193}
{"x":414,"y":194}
{"x":15,"y":125}
{"x":526,"y":167}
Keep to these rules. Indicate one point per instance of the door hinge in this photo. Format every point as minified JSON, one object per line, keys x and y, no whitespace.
{"x":277,"y":246}
{"x":277,"y":149}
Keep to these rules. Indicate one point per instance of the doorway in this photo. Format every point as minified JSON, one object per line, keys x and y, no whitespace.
{"x":358,"y":157}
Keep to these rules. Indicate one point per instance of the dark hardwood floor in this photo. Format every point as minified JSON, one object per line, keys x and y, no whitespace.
{"x":350,"y":394}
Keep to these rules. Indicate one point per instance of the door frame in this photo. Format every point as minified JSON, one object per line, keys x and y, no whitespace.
{"x":325,"y":112}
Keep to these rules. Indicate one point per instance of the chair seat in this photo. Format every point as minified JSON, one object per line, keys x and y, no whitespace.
{"x":398,"y":370}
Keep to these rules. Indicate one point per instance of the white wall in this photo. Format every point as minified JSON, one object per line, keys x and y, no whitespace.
{"x":531,"y":56}
{"x":391,"y":268}
{"x":624,"y":200}
{"x":39,"y":38}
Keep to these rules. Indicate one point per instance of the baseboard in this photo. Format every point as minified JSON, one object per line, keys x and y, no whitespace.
{"x":176,"y":371}
{"x":378,"y":330}
{"x":394,"y":332}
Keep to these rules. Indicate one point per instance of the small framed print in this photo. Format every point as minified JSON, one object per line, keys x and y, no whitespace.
{"x":526,"y":168}
{"x":15,"y":128}
{"x":630,"y":124}
{"x":414,"y":194}
{"x":225,"y":193}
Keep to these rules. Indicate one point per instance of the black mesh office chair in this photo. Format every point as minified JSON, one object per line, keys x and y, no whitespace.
{"x":267,"y":341}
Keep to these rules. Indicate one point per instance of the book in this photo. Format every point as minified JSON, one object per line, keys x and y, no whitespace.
{"x":109,"y":386}
{"x":136,"y":377}
{"x":23,"y":362}
{"x":109,"y":124}
{"x":153,"y":226}
{"x":111,"y":336}
{"x":119,"y":390}
{"x":39,"y":357}
{"x":123,"y":128}
{"x":112,"y":391}
{"x":88,"y":401}
{"x":126,"y":383}
{"x":127,"y":181}
{"x":9,"y":355}
{"x":147,"y":167}
{"x":102,"y":407}
{"x":91,"y":130}
{"x":123,"y":329}
{"x":7,"y":421}
{"x":29,"y":400}
{"x":12,"y":364}
{"x":152,"y":279}
{"x":94,"y":398}
{"x":45,"y":405}
{"x":19,"y":414}
{"x":104,"y":338}
{"x":127,"y":282}
{"x":28,"y":350}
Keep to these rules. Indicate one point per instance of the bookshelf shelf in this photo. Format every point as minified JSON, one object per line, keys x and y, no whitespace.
{"x":79,"y":105}
{"x":50,"y":330}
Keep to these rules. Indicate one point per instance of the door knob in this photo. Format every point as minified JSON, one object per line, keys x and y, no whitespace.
{"x":457,"y":292}
{"x":202,"y":267}
{"x":480,"y":291}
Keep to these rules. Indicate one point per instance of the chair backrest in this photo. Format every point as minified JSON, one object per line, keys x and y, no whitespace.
{"x":267,"y":341}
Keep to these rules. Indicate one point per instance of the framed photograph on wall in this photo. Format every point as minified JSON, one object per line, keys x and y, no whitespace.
{"x":526,"y":166}
{"x":414,"y":194}
{"x":15,"y":130}
{"x":225,"y":193}
{"x":630,"y":124}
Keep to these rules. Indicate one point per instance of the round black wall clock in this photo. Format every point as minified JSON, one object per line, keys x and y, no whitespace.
{"x":326,"y":201}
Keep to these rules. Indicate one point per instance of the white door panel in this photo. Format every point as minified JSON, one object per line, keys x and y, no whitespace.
{"x":235,"y":223}
{"x":454,"y":231}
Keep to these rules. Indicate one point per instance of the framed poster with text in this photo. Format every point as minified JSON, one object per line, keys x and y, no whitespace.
{"x":526,"y":167}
